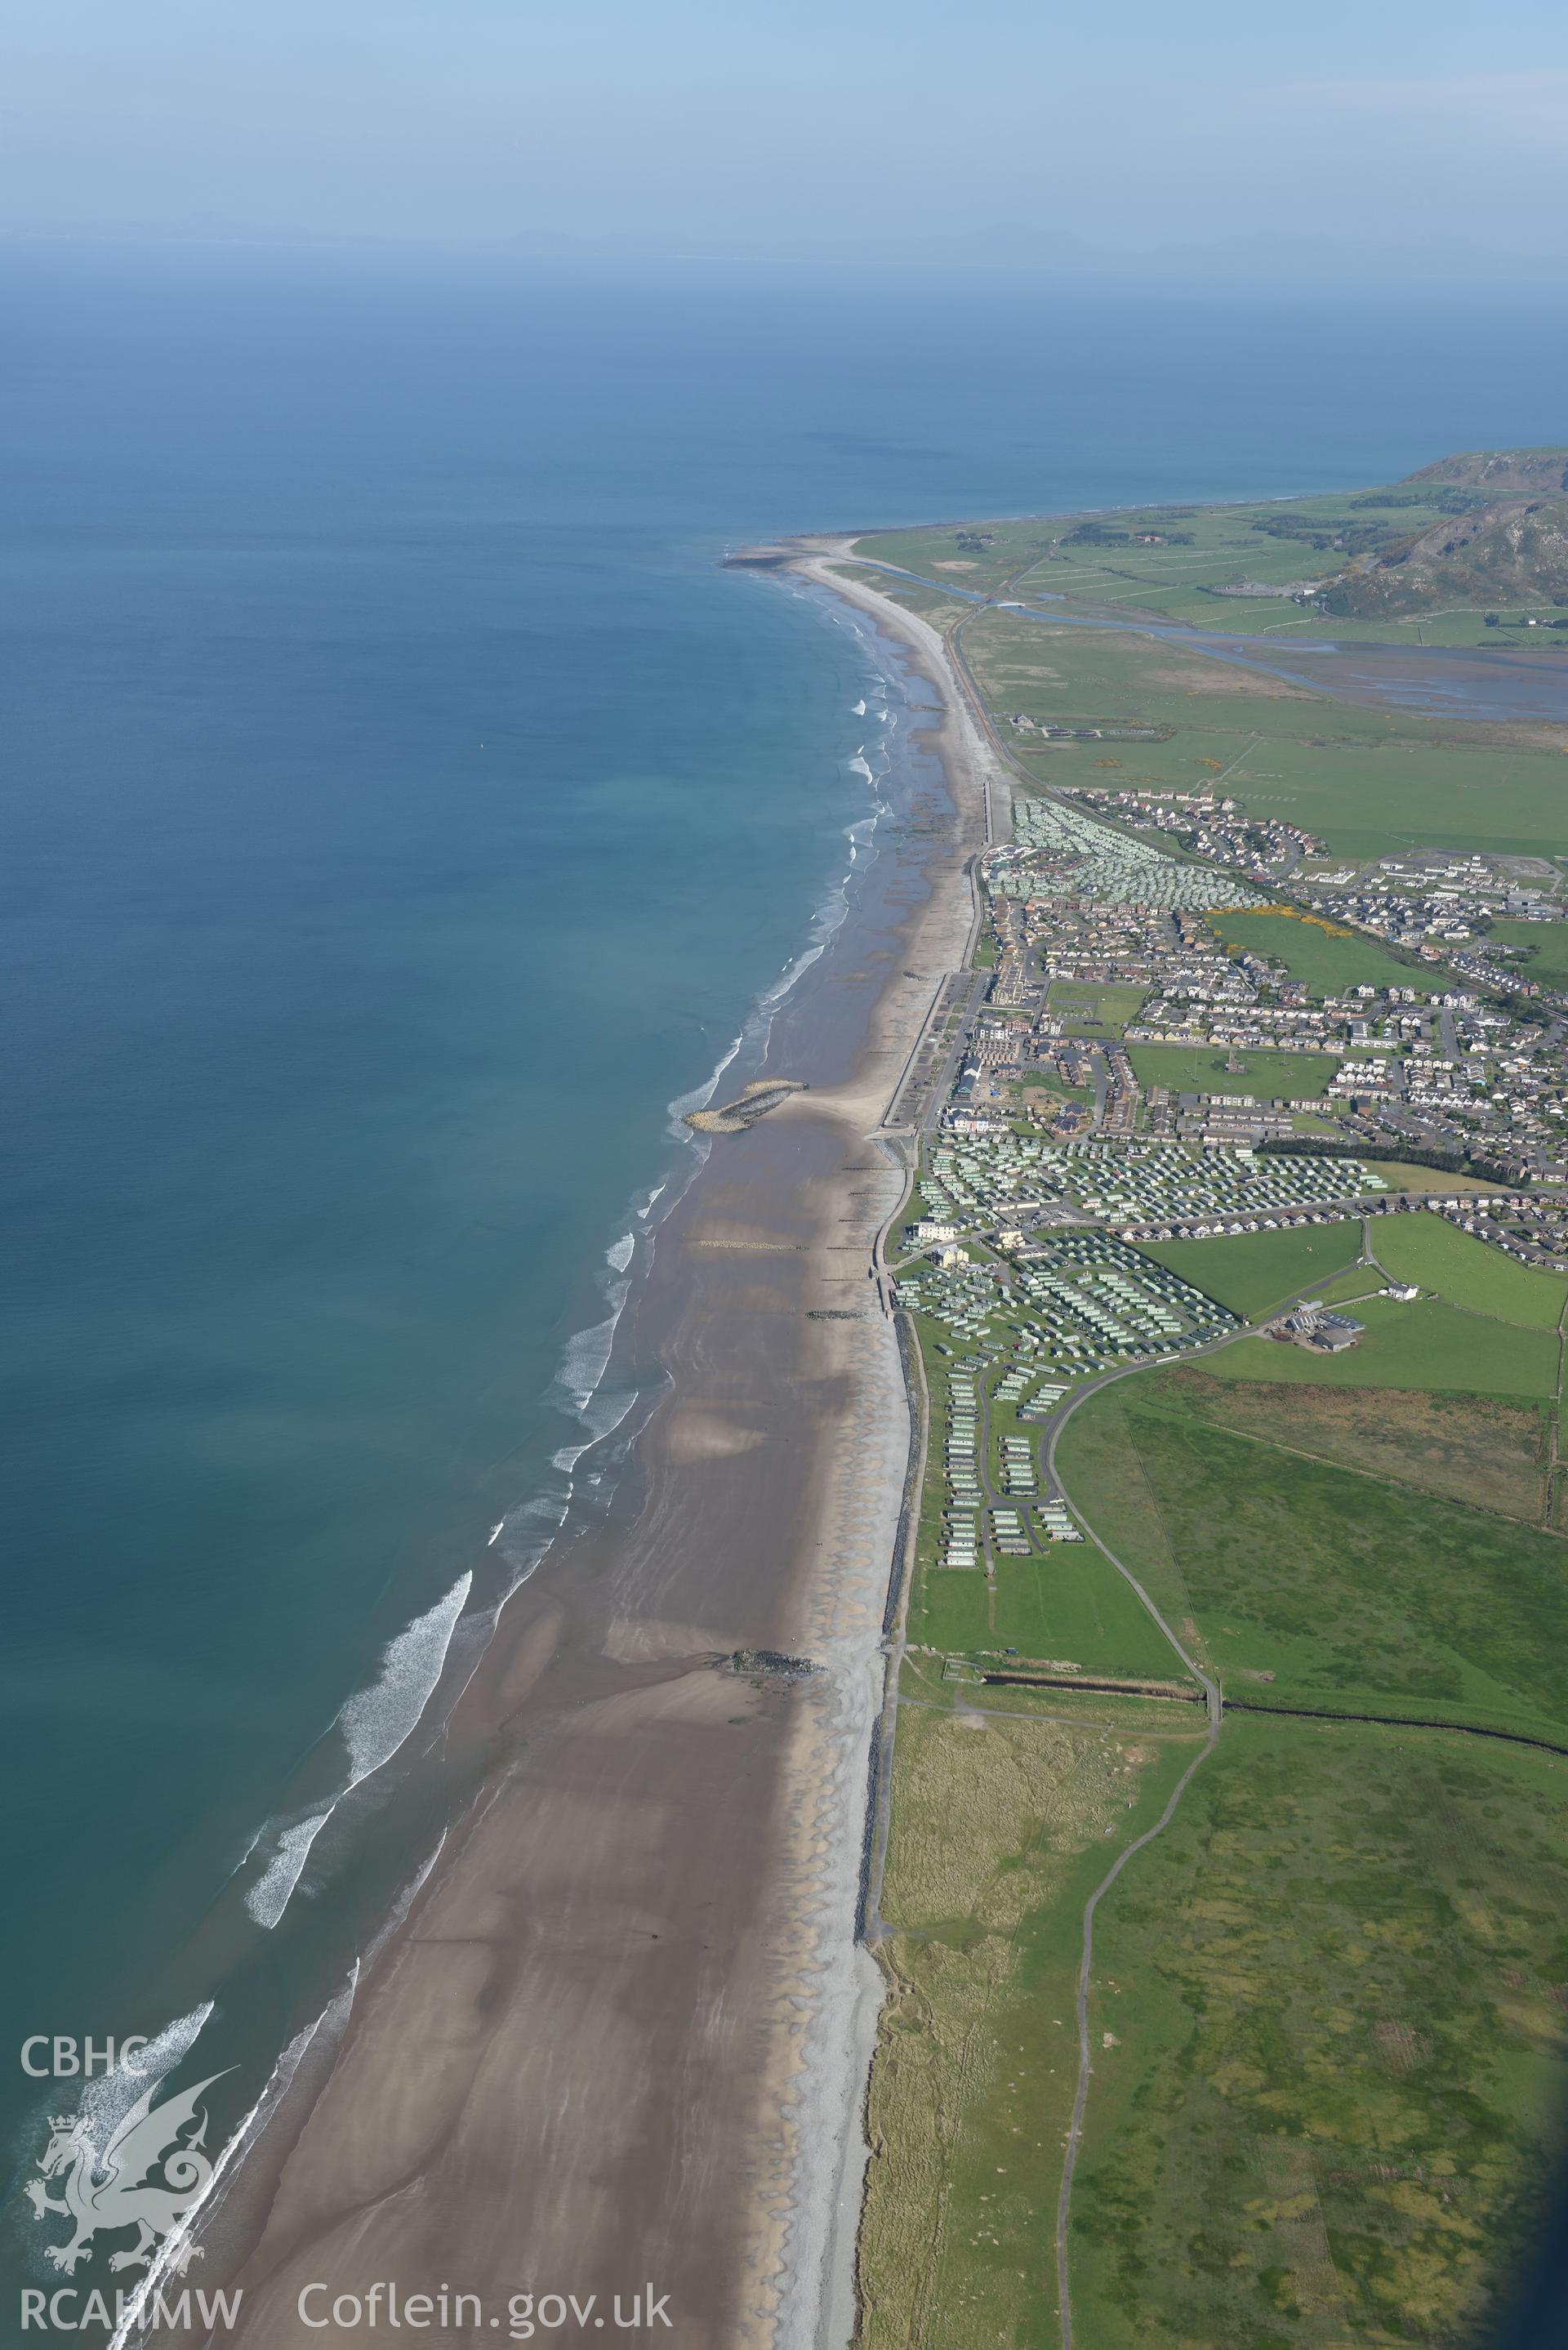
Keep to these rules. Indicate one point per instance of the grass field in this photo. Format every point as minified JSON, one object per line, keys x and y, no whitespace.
{"x":1250,"y":1271}
{"x":937,"y":553}
{"x":1319,"y":1584}
{"x":1428,"y":1249}
{"x":1047,"y":1081}
{"x":1489,"y":1453}
{"x":1197,"y":550}
{"x":1549,"y":963}
{"x":1202,"y":548}
{"x":1326,"y":961}
{"x":1070,"y":1607}
{"x":1329,"y":2047}
{"x":1103,"y":1008}
{"x":1404,"y":1175}
{"x":1425,"y":1344}
{"x":1368,"y":782}
{"x":1261,"y":1077}
{"x":1361,"y":1281}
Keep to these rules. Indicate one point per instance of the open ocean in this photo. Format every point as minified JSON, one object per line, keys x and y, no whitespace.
{"x":402,"y":811}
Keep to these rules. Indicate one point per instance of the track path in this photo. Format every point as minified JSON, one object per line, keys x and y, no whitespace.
{"x":1085,"y":1964}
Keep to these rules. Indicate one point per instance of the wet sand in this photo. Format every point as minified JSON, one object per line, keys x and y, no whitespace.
{"x":620,"y":2037}
{"x":1426,"y":681}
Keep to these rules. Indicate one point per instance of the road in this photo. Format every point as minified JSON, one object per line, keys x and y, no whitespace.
{"x":968,"y":1012}
{"x":1099,"y":1079}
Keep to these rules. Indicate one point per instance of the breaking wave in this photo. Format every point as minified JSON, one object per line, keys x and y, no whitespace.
{"x":171,"y":2254}
{"x":373,"y":1725}
{"x":525,"y":1535}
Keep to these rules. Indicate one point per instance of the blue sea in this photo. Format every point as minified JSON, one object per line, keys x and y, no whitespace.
{"x":404,"y":814}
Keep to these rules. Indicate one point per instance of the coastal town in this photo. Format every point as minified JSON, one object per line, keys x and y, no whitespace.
{"x":1459,"y":1057}
{"x":1232,"y":1284}
{"x":787,"y":1178}
{"x":1121,"y":1075}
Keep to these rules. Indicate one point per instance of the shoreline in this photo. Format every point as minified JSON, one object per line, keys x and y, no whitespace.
{"x":518,"y":2018}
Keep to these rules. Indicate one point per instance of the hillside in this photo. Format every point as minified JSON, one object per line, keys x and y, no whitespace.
{"x":1504,"y":542}
{"x":1480,"y":533}
{"x":1500,"y":472}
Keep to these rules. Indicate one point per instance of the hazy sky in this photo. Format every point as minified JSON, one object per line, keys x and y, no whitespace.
{"x":1383,"y":135}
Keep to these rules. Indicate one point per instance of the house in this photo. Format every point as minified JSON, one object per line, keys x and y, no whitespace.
{"x":1311,"y":1325}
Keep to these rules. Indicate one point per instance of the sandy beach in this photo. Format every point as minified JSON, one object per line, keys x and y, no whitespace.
{"x":620,"y":2040}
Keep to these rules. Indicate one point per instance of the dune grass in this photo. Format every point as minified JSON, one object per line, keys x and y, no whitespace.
{"x":1001,"y":1826}
{"x":1329,"y":2046}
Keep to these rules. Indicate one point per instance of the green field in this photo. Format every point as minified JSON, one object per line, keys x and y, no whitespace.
{"x":1263,"y":1076}
{"x":1427,"y":1249}
{"x":1368,"y":782}
{"x":1070,"y":1607}
{"x":1360,"y":1281}
{"x":1325,"y":1586}
{"x":1253,"y":1272}
{"x":1325,"y":2015}
{"x":1404,"y":1175}
{"x":1084,"y":1005}
{"x":1486,"y":1452}
{"x":937,"y":553}
{"x":1549,"y":963}
{"x":1425,"y":1344}
{"x":1333,"y":2084}
{"x":1327,"y":962}
{"x":1047,"y":1081}
{"x":1095,"y":562}
{"x":1329,"y":1997}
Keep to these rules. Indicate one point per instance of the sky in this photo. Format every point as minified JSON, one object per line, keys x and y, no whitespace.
{"x":1375,"y":136}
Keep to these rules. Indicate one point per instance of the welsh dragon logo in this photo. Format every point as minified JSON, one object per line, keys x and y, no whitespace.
{"x":104,"y":2192}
